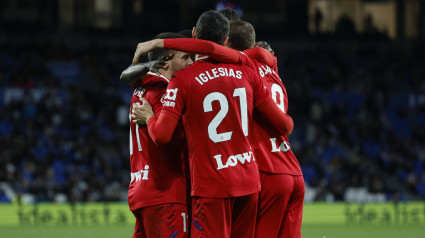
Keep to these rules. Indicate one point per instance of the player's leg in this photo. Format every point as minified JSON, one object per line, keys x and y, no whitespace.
{"x":294,"y":211}
{"x":139,"y":230}
{"x":276,"y":190}
{"x":211,"y":217}
{"x":189,"y":213}
{"x":188,"y":189}
{"x":165,"y":220}
{"x":244,"y":215}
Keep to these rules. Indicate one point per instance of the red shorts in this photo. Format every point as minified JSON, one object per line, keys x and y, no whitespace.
{"x":280,"y":206}
{"x":165,"y":220}
{"x":224,"y":217}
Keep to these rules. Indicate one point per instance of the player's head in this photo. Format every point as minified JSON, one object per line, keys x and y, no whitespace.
{"x":241,"y":36}
{"x":159,"y":53}
{"x":178,"y":61}
{"x":229,"y":13}
{"x":212,"y":26}
{"x":186,"y":33}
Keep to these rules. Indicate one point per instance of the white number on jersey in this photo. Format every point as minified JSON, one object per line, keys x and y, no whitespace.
{"x":278,"y":91}
{"x":224,"y":109}
{"x":184,"y":215}
{"x":139,"y":146}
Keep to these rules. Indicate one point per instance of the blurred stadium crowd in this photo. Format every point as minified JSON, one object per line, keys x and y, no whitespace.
{"x":359,"y":112}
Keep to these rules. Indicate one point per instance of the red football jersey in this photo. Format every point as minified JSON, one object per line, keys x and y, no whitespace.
{"x":216,"y":103}
{"x":272,"y":150}
{"x":157,"y":175}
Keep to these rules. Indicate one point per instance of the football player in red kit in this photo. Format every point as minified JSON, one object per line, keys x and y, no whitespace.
{"x":157,"y":191}
{"x":215,"y":102}
{"x":281,"y":197}
{"x":282,"y":194}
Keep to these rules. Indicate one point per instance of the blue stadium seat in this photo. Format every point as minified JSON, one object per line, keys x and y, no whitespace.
{"x":309,"y":173}
{"x":30,"y":110}
{"x":421,"y":189}
{"x":372,"y":148}
{"x":67,"y":72}
{"x":39,"y":152}
{"x":59,"y":169}
{"x":5,"y":128}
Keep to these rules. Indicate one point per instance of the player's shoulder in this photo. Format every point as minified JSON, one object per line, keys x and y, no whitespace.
{"x":249,"y":68}
{"x":153,"y":80}
{"x":188,"y":70}
{"x":149,"y":92}
{"x":181,"y":74}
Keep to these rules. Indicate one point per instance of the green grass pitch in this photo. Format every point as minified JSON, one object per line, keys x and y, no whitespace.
{"x":308,"y":231}
{"x":114,"y":220}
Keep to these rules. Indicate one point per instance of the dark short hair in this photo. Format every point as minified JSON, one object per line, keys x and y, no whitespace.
{"x":230,"y":14}
{"x":186,"y":33}
{"x":158,"y":53}
{"x":212,"y":26}
{"x":241,"y":36}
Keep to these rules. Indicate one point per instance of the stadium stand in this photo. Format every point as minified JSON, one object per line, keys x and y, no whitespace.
{"x":359,"y":112}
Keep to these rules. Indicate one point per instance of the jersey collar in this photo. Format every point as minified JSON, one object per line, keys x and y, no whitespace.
{"x":159,"y":75}
{"x":201,"y":57}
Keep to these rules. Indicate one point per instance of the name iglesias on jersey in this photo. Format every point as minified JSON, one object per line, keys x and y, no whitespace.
{"x":217,"y":72}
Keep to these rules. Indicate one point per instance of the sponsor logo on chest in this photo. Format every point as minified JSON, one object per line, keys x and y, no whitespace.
{"x":139,"y":92}
{"x":169,"y":98}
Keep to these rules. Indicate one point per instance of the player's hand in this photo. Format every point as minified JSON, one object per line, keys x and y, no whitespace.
{"x":144,"y":48}
{"x":139,"y":52}
{"x":141,"y":113}
{"x":264,"y":45}
{"x":158,"y":64}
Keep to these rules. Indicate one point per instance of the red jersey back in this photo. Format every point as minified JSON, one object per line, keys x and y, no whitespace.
{"x":157,"y":175}
{"x":216,"y":102}
{"x":271,"y":149}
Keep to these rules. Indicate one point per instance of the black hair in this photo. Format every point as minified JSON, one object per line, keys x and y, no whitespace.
{"x":186,"y":33}
{"x":241,"y":36}
{"x":158,"y":53}
{"x":212,"y":26}
{"x":230,"y":14}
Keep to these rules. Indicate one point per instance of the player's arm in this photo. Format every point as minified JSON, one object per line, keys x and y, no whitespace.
{"x":221,"y":53}
{"x":280,"y":120}
{"x":196,"y":46}
{"x":161,"y":127}
{"x":264,"y":103}
{"x":139,"y":117}
{"x":153,"y":98}
{"x":134,"y":73}
{"x":270,"y":59}
{"x":261,"y":55}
